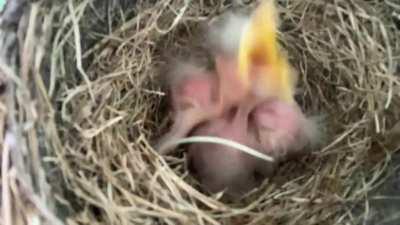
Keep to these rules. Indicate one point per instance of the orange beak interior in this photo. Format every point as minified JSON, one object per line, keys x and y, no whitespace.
{"x":259,"y":60}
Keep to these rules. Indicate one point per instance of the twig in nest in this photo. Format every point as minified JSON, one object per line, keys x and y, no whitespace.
{"x":78,"y":49}
{"x":178,"y":17}
{"x":26,"y":191}
{"x":9,"y":143}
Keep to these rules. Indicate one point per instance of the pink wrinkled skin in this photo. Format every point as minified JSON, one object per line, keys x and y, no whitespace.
{"x":215,"y":103}
{"x":272,"y":127}
{"x":205,"y":106}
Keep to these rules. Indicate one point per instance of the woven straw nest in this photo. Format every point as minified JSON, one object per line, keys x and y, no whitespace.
{"x":81,"y":102}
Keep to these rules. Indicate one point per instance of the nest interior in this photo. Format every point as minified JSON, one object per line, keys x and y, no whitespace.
{"x":88,"y":103}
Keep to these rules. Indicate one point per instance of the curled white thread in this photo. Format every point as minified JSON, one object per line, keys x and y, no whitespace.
{"x":226,"y":142}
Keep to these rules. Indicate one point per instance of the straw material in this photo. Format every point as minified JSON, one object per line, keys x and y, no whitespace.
{"x":83,"y":103}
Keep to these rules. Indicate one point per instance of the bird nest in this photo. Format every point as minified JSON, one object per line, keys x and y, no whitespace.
{"x":81,"y":104}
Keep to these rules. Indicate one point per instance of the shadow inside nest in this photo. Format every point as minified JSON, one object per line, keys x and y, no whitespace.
{"x":383,"y":203}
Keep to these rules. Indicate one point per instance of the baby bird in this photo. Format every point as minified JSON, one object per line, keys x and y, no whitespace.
{"x":245,"y":106}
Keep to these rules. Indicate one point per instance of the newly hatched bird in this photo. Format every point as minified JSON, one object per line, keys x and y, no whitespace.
{"x":241,"y":118}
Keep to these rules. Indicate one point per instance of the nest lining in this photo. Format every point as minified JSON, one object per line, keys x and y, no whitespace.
{"x":94,"y":104}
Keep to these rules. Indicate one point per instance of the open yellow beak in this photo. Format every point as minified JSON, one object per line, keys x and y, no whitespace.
{"x":259,"y":49}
